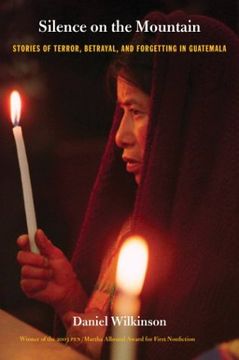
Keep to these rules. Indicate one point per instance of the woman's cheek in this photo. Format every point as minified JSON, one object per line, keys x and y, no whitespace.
{"x":141,"y":136}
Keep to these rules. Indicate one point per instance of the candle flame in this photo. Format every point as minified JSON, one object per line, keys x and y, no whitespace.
{"x":132,"y":265}
{"x":15,"y":106}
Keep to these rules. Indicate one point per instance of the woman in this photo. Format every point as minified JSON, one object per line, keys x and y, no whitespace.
{"x":177,"y":125}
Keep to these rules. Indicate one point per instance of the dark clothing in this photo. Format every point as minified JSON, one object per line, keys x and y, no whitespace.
{"x":187,"y":204}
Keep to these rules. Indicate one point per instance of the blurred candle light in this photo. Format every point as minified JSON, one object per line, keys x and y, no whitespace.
{"x":130,"y":275}
{"x":15,"y":109}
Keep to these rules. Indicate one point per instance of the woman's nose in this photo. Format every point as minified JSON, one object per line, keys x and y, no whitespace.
{"x":125,"y":133}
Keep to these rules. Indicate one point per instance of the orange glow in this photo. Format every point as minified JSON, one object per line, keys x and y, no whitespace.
{"x":15,"y":107}
{"x":132,"y":265}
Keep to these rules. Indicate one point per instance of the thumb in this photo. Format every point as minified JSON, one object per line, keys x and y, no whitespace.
{"x":68,"y":318}
{"x":45,"y":245}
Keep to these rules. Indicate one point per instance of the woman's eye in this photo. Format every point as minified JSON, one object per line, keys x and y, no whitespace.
{"x":135,"y":112}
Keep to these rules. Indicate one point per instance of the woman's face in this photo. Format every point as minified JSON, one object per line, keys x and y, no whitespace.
{"x":131,"y":134}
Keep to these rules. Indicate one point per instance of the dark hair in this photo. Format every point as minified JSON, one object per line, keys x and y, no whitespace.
{"x":135,"y":67}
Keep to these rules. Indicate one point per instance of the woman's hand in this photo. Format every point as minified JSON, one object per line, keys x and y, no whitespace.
{"x":86,"y":339}
{"x":48,"y":276}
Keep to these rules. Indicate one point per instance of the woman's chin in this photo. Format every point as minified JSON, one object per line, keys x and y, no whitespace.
{"x":137,"y":178}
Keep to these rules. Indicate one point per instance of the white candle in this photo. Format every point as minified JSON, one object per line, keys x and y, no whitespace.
{"x":130,"y":275}
{"x":24,"y":170}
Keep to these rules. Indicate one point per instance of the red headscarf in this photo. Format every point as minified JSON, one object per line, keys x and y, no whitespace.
{"x":187,"y":205}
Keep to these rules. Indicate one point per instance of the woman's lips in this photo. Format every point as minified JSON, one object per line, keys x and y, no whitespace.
{"x":132,"y":166}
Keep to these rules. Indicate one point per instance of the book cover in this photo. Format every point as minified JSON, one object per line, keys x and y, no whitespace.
{"x":71,"y":63}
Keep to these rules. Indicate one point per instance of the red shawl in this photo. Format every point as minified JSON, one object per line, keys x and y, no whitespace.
{"x":187,"y":205}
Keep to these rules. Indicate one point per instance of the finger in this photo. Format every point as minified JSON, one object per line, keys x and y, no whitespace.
{"x":29,"y":258}
{"x":68,"y":318}
{"x":32,"y":286}
{"x":31,"y":272}
{"x":45,"y":246}
{"x":23,"y":242}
